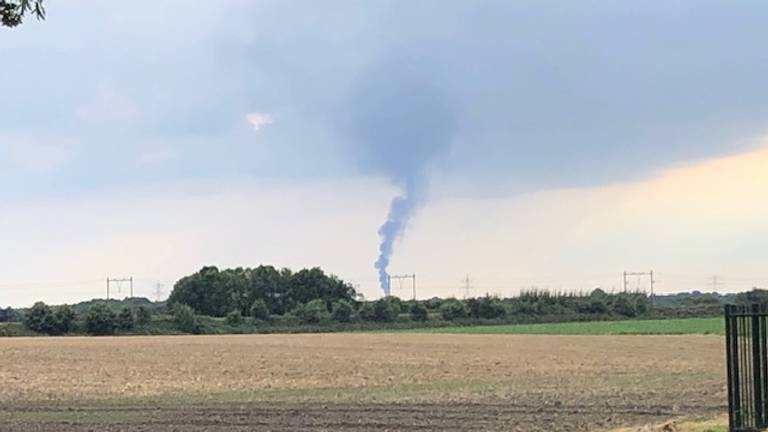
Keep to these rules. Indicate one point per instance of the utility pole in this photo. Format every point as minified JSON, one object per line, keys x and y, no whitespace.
{"x":158,"y":291}
{"x":715,"y":282}
{"x":120,"y":280}
{"x":639,"y":275}
{"x":400,"y":278}
{"x":467,"y":286}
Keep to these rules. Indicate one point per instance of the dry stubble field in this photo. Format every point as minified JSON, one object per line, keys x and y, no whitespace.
{"x":357,"y":382}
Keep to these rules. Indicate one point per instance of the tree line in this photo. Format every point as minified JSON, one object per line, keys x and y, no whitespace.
{"x":263,"y":298}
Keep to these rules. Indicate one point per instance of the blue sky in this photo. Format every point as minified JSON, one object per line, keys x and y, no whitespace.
{"x":489,"y":101}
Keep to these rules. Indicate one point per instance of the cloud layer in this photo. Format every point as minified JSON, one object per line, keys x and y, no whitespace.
{"x":523,"y":95}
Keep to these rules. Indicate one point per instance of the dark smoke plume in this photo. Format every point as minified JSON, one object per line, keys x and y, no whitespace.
{"x":402,"y":121}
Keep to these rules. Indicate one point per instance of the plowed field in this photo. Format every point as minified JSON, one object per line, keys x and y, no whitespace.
{"x":357,"y":382}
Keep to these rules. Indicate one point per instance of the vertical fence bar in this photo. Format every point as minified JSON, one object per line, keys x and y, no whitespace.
{"x":733,"y":349}
{"x":732,"y":392}
{"x":746,"y":415}
{"x":757,"y":368}
{"x":764,"y":362}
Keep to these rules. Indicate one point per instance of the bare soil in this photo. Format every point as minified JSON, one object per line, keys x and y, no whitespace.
{"x":357,"y":382}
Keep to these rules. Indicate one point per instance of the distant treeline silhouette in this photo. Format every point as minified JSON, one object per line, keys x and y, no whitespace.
{"x":265,"y":299}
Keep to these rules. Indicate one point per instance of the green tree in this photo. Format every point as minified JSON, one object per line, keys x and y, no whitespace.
{"x":208,"y":291}
{"x":259,"y":310}
{"x":12,"y":12}
{"x":143,"y":316}
{"x":185,"y":319}
{"x":419,"y":312}
{"x":268,"y":284}
{"x":453,"y":309}
{"x":342,"y":311}
{"x":101,"y":320}
{"x":7,"y":315}
{"x":312,"y":312}
{"x":126,"y":320}
{"x":40,"y":318}
{"x":64,"y":319}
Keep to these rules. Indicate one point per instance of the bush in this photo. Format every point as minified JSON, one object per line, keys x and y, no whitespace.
{"x":185,"y":319}
{"x":453,"y":309}
{"x":622,"y":306}
{"x":365,"y":312}
{"x":126,"y":320}
{"x":143,"y":316}
{"x":386,"y":309}
{"x":342,"y":311}
{"x":312,"y":312}
{"x":486,"y":307}
{"x":419,"y":312}
{"x":259,"y":310}
{"x":101,"y":320}
{"x":234,"y":318}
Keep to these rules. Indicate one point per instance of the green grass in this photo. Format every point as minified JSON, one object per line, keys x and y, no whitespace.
{"x":629,"y":327}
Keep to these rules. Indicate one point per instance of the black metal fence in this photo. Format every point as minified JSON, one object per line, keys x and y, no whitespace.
{"x":747,"y":359}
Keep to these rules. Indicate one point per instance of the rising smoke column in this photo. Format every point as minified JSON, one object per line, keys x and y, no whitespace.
{"x":401,"y":209}
{"x":400,"y":120}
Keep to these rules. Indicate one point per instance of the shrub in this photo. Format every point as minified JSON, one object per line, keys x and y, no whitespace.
{"x":185,"y":319}
{"x":419,"y":312}
{"x":259,"y":310}
{"x":100,"y":320}
{"x":312,"y":312}
{"x":342,"y":311}
{"x":365,"y":312}
{"x":143,"y":316}
{"x":386,"y":309}
{"x":234,"y":318}
{"x":486,"y":307}
{"x":622,"y":306}
{"x":126,"y":320}
{"x":453,"y":309}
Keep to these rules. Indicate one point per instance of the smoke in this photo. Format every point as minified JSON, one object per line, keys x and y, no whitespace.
{"x":401,"y":209}
{"x":401,"y":121}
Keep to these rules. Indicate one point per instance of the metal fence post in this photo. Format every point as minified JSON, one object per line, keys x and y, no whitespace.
{"x":757,"y":367}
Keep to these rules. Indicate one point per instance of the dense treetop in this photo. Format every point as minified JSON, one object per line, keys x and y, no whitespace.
{"x":216,"y":293}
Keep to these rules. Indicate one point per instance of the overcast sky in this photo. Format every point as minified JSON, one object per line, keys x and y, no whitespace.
{"x":562,"y":142}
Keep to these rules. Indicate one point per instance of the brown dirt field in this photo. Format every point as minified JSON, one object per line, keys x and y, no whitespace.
{"x":357,"y":382}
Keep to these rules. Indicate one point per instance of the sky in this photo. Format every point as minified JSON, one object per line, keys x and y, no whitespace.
{"x":548,"y":143}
